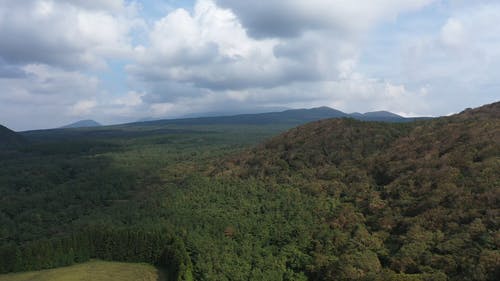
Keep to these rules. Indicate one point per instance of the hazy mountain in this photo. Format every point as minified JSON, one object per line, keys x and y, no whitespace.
{"x":291,"y":116}
{"x":382,"y":114}
{"x":284,"y":120}
{"x":233,"y":112}
{"x":222,"y":113}
{"x":82,"y":124}
{"x":9,"y":138}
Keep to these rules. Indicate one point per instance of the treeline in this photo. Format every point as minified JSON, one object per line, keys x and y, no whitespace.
{"x":154,"y":246}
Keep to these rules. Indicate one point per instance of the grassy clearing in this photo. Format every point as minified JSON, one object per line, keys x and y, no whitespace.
{"x":92,"y":271}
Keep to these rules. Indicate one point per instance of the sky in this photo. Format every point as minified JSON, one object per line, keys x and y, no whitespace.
{"x":117,"y":61}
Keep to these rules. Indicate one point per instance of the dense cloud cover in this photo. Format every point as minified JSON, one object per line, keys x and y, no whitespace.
{"x":274,"y":18}
{"x":114,"y":61}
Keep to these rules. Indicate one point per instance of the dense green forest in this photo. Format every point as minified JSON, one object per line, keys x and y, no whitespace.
{"x":336,"y":199}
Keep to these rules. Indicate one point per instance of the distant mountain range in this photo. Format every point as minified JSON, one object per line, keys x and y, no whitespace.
{"x":10,"y":139}
{"x":292,"y":116}
{"x":380,"y":116}
{"x":286,"y":118}
{"x":82,"y":124}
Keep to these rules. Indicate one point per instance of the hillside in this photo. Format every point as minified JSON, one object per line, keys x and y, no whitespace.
{"x":82,"y":124}
{"x":419,"y":199}
{"x":335,"y":199}
{"x":336,"y":142}
{"x":10,"y":139}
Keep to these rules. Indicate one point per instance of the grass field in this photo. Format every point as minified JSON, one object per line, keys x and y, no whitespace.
{"x":92,"y":271}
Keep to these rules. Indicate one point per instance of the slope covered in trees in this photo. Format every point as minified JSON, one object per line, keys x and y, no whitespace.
{"x":10,"y":139}
{"x":414,"y":200}
{"x":336,"y":199}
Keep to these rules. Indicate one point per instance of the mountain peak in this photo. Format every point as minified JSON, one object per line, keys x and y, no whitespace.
{"x":322,"y":108}
{"x":82,"y":124}
{"x":382,"y":114}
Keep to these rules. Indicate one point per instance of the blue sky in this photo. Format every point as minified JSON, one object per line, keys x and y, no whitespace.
{"x":119,"y":61}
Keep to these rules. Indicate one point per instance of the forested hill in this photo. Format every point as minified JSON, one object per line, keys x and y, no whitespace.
{"x":336,"y":199}
{"x":9,"y":138}
{"x":419,"y":200}
{"x":332,"y":142}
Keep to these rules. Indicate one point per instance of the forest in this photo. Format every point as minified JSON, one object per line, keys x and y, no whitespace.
{"x":334,"y":199}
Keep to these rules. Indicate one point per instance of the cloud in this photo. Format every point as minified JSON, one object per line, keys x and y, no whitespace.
{"x":10,"y":71}
{"x":131,"y":99}
{"x":83,"y":107}
{"x":168,"y":91}
{"x":354,"y":92}
{"x":212,"y":56}
{"x":44,"y":95}
{"x":106,"y":108}
{"x":464,"y":49}
{"x":111,"y":5}
{"x":64,"y":33}
{"x":208,"y":49}
{"x":47,"y":97}
{"x":455,"y":56}
{"x":423,"y":71}
{"x":274,"y":18}
{"x":52,"y":54}
{"x":42,"y":84}
{"x":452,"y":34}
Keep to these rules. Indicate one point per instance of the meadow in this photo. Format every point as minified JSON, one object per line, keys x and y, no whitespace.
{"x":92,"y":271}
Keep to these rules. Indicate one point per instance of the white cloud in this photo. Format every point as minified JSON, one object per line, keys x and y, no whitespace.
{"x":273,"y":18}
{"x":51,"y":52}
{"x":164,"y":109}
{"x":207,"y":57}
{"x":453,"y":34}
{"x":208,"y":49}
{"x":83,"y":107}
{"x":45,"y":84}
{"x":131,"y":99}
{"x":353,"y":93}
{"x":46,"y":96}
{"x":454,"y":57}
{"x":112,"y":5}
{"x":62,"y":33}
